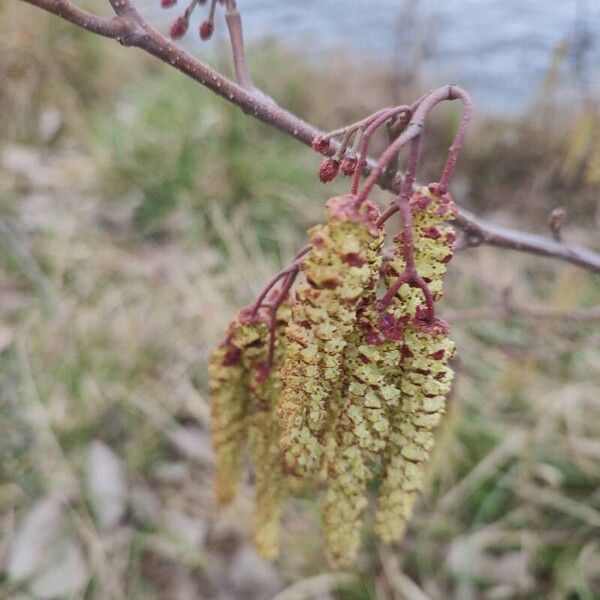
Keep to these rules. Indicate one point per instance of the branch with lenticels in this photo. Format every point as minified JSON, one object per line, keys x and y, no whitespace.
{"x":130,"y":29}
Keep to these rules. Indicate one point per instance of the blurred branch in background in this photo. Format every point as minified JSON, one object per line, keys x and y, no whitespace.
{"x":130,"y":29}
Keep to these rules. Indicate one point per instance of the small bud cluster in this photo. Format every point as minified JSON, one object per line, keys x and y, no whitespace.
{"x":352,"y":388}
{"x":180,"y":25}
{"x":329,"y":169}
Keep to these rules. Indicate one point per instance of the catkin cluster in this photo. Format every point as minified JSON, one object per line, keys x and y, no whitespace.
{"x":354,"y":390}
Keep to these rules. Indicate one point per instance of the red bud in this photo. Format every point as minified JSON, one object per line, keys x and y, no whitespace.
{"x":329,"y":169}
{"x":321,"y":145}
{"x":179,"y":28}
{"x":167,"y":3}
{"x":206,"y":30}
{"x":348,"y":165}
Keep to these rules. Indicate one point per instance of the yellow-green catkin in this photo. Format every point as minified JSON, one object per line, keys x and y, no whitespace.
{"x":228,"y":388}
{"x":340,"y":269}
{"x":272,"y":485}
{"x":361,"y":430}
{"x":245,"y":390}
{"x":424,"y":376}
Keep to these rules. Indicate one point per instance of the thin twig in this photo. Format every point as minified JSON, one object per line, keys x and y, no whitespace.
{"x":394,"y":130}
{"x":380,"y":118}
{"x":236,"y":36}
{"x":477,"y":233}
{"x":421,"y":110}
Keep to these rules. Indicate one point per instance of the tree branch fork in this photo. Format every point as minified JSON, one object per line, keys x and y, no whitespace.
{"x":129,"y":28}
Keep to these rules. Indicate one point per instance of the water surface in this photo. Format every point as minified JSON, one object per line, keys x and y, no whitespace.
{"x":500,"y":50}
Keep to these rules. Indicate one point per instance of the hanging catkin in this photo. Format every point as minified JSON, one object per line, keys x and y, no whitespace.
{"x":360,"y":433}
{"x":424,"y":377}
{"x":228,"y":387}
{"x":272,"y":485}
{"x":340,"y":269}
{"x":245,"y":389}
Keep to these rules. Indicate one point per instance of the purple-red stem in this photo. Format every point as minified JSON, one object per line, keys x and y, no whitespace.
{"x":459,"y":138}
{"x":236,"y":36}
{"x":408,"y":182}
{"x":258,"y":303}
{"x":410,"y":274}
{"x":281,"y":296}
{"x":380,"y":118}
{"x":414,"y":129}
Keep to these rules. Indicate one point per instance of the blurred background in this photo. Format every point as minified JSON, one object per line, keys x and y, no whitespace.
{"x":137,"y":212}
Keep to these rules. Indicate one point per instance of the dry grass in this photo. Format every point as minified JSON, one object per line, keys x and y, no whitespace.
{"x":110,"y":302}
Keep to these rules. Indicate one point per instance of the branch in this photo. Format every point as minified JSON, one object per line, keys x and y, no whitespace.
{"x":477,"y":232}
{"x":130,"y":29}
{"x":111,"y":28}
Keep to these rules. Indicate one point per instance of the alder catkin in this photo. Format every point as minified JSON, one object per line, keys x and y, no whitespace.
{"x":245,"y":389}
{"x":340,"y":269}
{"x":272,"y":485}
{"x":228,"y":387}
{"x":360,"y":433}
{"x":424,"y":376}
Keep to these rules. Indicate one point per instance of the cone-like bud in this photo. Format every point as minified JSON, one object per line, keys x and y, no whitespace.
{"x":329,"y":169}
{"x":348,"y":165}
{"x":179,"y":28}
{"x":206,"y":30}
{"x":321,"y":145}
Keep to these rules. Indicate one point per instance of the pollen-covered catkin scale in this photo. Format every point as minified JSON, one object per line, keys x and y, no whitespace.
{"x":361,"y":430}
{"x":424,"y":376}
{"x":425,"y":385}
{"x":272,"y":485}
{"x":340,"y":269}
